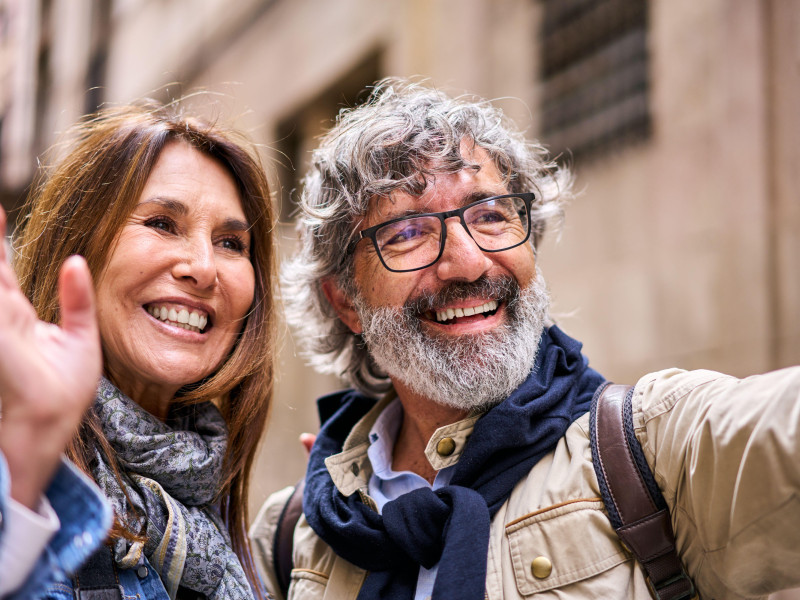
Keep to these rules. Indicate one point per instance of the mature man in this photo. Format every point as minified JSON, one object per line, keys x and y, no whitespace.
{"x":472,"y":476}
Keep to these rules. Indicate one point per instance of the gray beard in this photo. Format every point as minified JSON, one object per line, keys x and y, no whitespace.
{"x":469,"y":372}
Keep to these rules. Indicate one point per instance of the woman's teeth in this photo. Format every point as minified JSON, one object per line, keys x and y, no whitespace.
{"x":191,"y":321}
{"x":451,"y":313}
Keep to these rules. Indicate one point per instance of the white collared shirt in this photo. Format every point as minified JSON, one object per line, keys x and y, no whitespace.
{"x":27,"y":533}
{"x":386,"y":484}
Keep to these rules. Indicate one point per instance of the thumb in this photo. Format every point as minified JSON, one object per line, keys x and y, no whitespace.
{"x":76,"y":298}
{"x":307,"y":440}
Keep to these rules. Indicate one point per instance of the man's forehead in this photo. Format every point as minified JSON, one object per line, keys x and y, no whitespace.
{"x":480,"y":178}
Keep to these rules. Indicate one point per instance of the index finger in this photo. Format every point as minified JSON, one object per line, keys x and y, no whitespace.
{"x":7,"y":279}
{"x":3,"y":255}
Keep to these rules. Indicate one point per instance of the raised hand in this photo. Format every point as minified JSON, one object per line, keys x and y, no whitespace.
{"x":48,"y":374}
{"x":307,"y":440}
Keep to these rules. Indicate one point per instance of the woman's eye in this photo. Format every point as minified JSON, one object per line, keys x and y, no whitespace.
{"x":234,"y":243}
{"x":162,"y":223}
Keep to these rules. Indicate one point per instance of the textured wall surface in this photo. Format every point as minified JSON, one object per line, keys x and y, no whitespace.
{"x":681,"y":250}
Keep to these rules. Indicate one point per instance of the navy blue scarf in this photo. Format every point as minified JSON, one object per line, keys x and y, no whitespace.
{"x":451,"y":525}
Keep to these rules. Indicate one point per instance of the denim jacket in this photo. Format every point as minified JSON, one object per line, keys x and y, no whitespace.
{"x":141,"y":583}
{"x":85,"y":517}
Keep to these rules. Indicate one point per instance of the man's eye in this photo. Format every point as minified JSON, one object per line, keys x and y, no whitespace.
{"x":406,"y":234}
{"x":489,"y":216}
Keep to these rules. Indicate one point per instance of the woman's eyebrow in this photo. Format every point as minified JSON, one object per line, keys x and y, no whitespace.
{"x":170,"y":204}
{"x":233,"y":224}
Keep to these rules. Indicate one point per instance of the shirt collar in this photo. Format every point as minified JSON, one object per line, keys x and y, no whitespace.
{"x":352,"y":468}
{"x":448,"y":442}
{"x":382,"y":437}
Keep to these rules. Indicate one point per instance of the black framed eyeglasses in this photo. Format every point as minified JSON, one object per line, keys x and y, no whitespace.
{"x":417,"y":241}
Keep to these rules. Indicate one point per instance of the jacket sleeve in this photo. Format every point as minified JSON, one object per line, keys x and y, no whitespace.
{"x":85,"y":517}
{"x":24,"y":534}
{"x":726,"y":454}
{"x":262,"y":535}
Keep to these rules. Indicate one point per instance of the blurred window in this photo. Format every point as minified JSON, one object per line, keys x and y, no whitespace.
{"x":595,"y":75}
{"x":98,"y":54}
{"x":299,"y":132}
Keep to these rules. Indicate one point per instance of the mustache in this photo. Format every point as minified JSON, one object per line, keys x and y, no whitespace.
{"x":503,"y":288}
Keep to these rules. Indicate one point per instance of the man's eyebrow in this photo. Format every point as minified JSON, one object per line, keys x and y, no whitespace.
{"x":476,"y":195}
{"x":390,"y":214}
{"x":471,"y":197}
{"x":409,"y":212}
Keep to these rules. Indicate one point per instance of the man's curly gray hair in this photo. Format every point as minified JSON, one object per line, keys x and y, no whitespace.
{"x":398,"y":140}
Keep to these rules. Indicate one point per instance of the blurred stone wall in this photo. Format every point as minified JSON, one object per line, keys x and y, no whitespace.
{"x":682,"y":249}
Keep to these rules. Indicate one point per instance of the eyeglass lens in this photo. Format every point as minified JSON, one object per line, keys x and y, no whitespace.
{"x":495,"y":224}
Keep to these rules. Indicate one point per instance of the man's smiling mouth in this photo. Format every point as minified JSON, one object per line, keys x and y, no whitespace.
{"x":191,"y":320}
{"x":450,"y":315}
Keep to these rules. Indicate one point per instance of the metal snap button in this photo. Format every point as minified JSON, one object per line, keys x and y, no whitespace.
{"x":541,"y":567}
{"x":446,"y":446}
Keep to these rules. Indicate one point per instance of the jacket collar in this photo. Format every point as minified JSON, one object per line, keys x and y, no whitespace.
{"x":351,"y":470}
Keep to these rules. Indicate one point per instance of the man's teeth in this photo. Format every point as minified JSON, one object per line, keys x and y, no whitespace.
{"x":451,"y":313}
{"x":192,"y":321}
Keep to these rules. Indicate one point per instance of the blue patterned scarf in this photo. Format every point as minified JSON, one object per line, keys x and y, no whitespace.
{"x":451,"y":525}
{"x":171,"y":474}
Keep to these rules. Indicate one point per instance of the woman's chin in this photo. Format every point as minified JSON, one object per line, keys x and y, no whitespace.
{"x":163,"y":380}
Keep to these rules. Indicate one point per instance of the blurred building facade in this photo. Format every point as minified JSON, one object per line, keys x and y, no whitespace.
{"x":679,"y":117}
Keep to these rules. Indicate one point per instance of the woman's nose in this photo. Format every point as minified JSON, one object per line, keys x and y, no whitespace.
{"x":197,"y":263}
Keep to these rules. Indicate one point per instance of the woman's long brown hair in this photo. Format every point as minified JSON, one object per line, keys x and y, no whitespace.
{"x":81,"y":205}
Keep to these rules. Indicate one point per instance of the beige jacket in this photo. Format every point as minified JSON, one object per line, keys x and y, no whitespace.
{"x":725,"y":452}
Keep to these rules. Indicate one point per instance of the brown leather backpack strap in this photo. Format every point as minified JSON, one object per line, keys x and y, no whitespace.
{"x":283,"y":542}
{"x":636,"y":508}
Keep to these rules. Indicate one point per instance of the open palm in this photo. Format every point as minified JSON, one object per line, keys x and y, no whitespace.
{"x":48,"y":373}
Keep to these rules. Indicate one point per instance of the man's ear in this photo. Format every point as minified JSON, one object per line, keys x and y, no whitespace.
{"x":342,"y":305}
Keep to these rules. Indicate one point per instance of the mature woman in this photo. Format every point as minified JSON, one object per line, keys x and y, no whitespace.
{"x":173,"y":217}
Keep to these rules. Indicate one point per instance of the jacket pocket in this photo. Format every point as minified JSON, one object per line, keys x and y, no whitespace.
{"x":561,"y":545}
{"x":307,"y":584}
{"x":59,"y":591}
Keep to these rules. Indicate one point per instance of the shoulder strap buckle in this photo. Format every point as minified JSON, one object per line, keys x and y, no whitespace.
{"x":669,"y":586}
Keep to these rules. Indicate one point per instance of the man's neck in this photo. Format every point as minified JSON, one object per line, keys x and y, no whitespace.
{"x":421,"y":418}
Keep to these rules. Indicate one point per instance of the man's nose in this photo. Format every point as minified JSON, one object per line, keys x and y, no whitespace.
{"x":461,"y":259}
{"x":197,"y":263}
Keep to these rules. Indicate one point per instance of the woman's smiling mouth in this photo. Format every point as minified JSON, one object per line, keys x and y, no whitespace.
{"x":179,"y":316}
